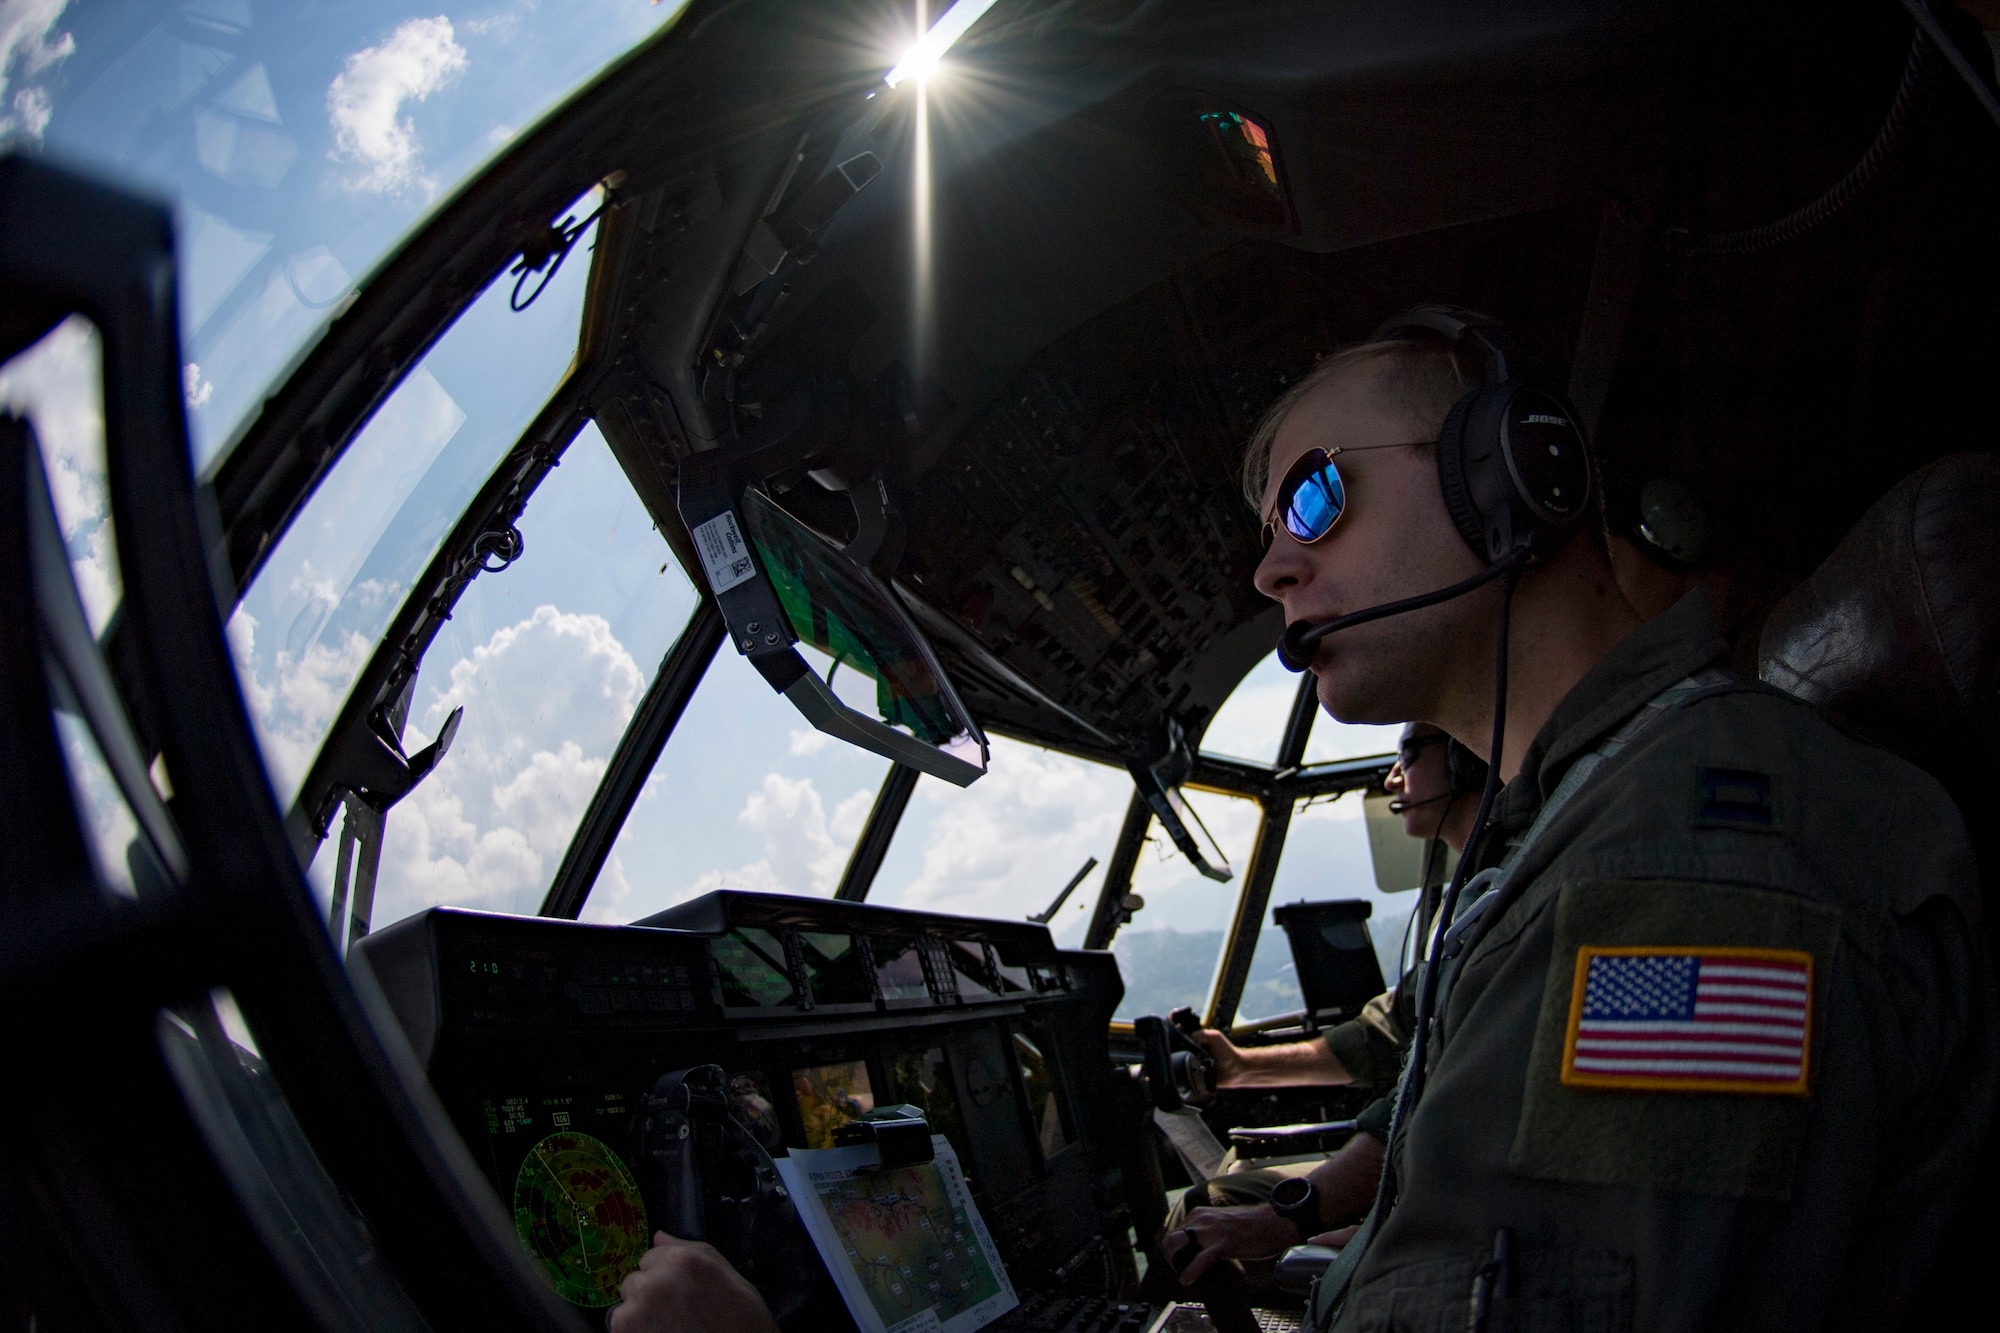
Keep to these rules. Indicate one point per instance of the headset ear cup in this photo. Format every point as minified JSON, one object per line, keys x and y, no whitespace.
{"x":1452,"y":481}
{"x":1466,"y":771}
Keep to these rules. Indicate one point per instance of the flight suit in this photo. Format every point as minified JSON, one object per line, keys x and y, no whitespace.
{"x":1738,"y":829}
{"x":1370,"y":1045}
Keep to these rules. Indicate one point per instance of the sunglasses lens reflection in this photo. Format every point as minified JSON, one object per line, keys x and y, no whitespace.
{"x":1316,"y":502}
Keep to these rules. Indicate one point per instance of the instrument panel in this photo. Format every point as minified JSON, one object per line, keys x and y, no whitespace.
{"x":542,"y":1036}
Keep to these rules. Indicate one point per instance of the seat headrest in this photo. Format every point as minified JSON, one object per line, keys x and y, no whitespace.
{"x":1897,"y":635}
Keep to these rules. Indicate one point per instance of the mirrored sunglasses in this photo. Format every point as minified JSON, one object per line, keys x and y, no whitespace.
{"x":1313,"y":495}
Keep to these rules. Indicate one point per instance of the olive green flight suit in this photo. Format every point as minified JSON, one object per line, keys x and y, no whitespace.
{"x":1737,"y":819}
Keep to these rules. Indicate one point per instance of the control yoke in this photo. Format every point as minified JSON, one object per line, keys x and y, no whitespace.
{"x":1178,"y":1069}
{"x":704,"y":1176}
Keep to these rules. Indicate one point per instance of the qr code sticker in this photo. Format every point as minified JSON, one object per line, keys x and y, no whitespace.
{"x":724,"y":554}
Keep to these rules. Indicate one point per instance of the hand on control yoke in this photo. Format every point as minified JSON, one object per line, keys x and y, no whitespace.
{"x":1229,"y":1062}
{"x":684,"y":1286}
{"x":1211,"y":1235}
{"x":1344,"y":1183}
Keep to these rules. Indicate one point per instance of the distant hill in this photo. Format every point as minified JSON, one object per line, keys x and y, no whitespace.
{"x":1166,"y":968}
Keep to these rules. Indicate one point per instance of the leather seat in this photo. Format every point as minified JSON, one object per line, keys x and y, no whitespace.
{"x":1897,"y":634}
{"x":1897,"y":637}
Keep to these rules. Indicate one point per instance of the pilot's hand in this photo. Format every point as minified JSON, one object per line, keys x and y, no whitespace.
{"x":1230,"y":1065}
{"x":1211,"y":1235}
{"x":683,"y":1286}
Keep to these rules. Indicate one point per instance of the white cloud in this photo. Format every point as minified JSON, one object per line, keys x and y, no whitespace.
{"x":58,"y":385}
{"x":545,"y":701}
{"x":29,"y":45}
{"x":808,"y":741}
{"x":804,"y":850}
{"x":293,"y":706}
{"x":1003,"y":846}
{"x":367,"y":96}
{"x":500,"y":27}
{"x":197,"y":389}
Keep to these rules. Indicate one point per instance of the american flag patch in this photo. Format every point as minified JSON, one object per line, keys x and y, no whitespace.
{"x":1690,"y":1020}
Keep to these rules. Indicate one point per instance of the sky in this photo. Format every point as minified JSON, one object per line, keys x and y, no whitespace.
{"x":297,"y":144}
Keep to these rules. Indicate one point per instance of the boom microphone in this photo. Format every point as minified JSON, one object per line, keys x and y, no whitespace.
{"x":1295,"y":646}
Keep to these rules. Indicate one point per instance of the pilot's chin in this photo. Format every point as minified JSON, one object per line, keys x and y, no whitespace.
{"x":1347,"y":699}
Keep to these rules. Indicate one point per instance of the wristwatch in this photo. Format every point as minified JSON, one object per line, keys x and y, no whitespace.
{"x":1295,"y":1200}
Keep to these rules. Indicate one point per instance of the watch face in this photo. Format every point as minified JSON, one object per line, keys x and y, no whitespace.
{"x":1290,"y":1193}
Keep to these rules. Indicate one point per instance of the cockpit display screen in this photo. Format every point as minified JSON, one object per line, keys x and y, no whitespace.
{"x":831,"y":1095}
{"x":1048,"y":1113}
{"x":836,"y":968}
{"x":576,"y":1206}
{"x":922,"y":1078}
{"x":832,"y":608}
{"x":752,"y":965}
{"x":899,"y":968}
{"x":968,"y":959}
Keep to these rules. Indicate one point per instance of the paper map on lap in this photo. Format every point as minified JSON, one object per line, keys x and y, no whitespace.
{"x":907,"y":1248}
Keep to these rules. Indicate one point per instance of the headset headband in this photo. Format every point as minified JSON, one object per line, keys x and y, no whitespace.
{"x":1502,"y":356}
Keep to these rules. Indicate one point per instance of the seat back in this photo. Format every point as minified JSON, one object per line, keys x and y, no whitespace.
{"x":1897,"y":634}
{"x":1897,"y":638}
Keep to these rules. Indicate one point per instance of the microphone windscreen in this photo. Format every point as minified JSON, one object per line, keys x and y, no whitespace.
{"x":1293,"y":651}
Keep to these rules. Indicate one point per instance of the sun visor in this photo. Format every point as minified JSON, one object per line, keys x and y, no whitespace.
{"x":779,"y":584}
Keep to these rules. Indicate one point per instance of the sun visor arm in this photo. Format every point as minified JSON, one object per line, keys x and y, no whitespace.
{"x":777,"y":582}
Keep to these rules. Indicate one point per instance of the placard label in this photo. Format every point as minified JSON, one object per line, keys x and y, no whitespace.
{"x":724,"y":553}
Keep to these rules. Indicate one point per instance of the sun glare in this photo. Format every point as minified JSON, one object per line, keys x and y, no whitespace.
{"x":921,"y":60}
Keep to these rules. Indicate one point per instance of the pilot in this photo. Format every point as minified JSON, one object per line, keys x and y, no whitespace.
{"x":1716,"y":1040}
{"x":1437,"y":795}
{"x":1436,"y":784}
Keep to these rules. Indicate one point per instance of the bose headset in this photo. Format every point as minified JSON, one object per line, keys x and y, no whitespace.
{"x":1513,"y":465}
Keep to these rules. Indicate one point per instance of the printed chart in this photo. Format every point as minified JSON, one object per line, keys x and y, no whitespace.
{"x":907,"y":1247}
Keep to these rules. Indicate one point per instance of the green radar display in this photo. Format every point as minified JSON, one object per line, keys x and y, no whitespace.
{"x":578,"y":1212}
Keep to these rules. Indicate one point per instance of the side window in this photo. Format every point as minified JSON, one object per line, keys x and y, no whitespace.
{"x":57,"y":386}
{"x":298,"y":142}
{"x":1169,"y":951}
{"x":1006,"y":845}
{"x":1326,"y":856}
{"x":549,"y":658}
{"x":1252,"y":719}
{"x":746,"y":795}
{"x":314,"y":612}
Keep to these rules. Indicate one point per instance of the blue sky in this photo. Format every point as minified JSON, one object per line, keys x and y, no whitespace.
{"x":298,"y":143}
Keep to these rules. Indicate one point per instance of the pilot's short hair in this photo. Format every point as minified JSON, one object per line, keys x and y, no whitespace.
{"x":1420,"y":379}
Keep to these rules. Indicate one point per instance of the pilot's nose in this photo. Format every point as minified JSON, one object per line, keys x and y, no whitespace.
{"x":1284,"y":570}
{"x":1397,"y":779}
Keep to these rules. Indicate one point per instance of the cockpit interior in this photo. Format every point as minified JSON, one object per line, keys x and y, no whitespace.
{"x":611,"y":593}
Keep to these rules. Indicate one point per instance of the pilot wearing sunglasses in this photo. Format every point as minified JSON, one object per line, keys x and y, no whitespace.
{"x":1713,"y":1034}
{"x":1436,"y":791}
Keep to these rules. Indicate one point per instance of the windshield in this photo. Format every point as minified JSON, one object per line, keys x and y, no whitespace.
{"x":312,"y":616}
{"x":297,"y":141}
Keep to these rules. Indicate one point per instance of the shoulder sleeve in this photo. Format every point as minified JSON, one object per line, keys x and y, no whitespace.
{"x":1370,"y":1046}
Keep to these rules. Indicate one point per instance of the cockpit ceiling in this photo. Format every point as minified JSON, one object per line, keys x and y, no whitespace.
{"x":1131,"y":254}
{"x":1086,"y":528}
